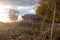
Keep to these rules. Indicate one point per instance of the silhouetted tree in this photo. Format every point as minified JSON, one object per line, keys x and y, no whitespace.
{"x":13,"y":14}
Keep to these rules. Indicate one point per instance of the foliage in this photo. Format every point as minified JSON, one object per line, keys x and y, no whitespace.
{"x":46,"y":10}
{"x":13,"y":14}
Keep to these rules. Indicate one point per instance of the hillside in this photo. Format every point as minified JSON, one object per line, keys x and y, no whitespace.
{"x":14,"y":31}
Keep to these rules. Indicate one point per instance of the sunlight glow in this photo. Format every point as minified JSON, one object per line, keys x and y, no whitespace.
{"x":5,"y":8}
{"x":4,"y":13}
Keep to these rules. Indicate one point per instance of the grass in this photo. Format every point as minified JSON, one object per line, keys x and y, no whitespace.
{"x":15,"y":31}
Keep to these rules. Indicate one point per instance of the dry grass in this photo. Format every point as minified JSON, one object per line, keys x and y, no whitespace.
{"x":14,"y":31}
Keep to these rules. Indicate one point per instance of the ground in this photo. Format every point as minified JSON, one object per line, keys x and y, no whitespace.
{"x":15,"y":31}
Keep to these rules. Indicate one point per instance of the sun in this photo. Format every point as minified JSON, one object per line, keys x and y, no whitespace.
{"x":4,"y":13}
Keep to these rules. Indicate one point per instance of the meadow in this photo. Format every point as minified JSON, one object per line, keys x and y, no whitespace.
{"x":18,"y":31}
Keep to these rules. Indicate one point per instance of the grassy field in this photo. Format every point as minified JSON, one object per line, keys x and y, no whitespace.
{"x":16,"y":31}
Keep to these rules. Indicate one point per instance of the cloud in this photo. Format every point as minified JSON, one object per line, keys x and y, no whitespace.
{"x":26,"y":10}
{"x":20,"y":18}
{"x":24,"y":6}
{"x":20,"y":2}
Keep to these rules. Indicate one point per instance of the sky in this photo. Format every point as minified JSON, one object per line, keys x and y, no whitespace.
{"x":20,"y":2}
{"x":24,"y":6}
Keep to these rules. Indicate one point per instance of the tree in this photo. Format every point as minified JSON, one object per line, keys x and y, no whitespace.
{"x":46,"y":10}
{"x":13,"y":14}
{"x":50,"y":11}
